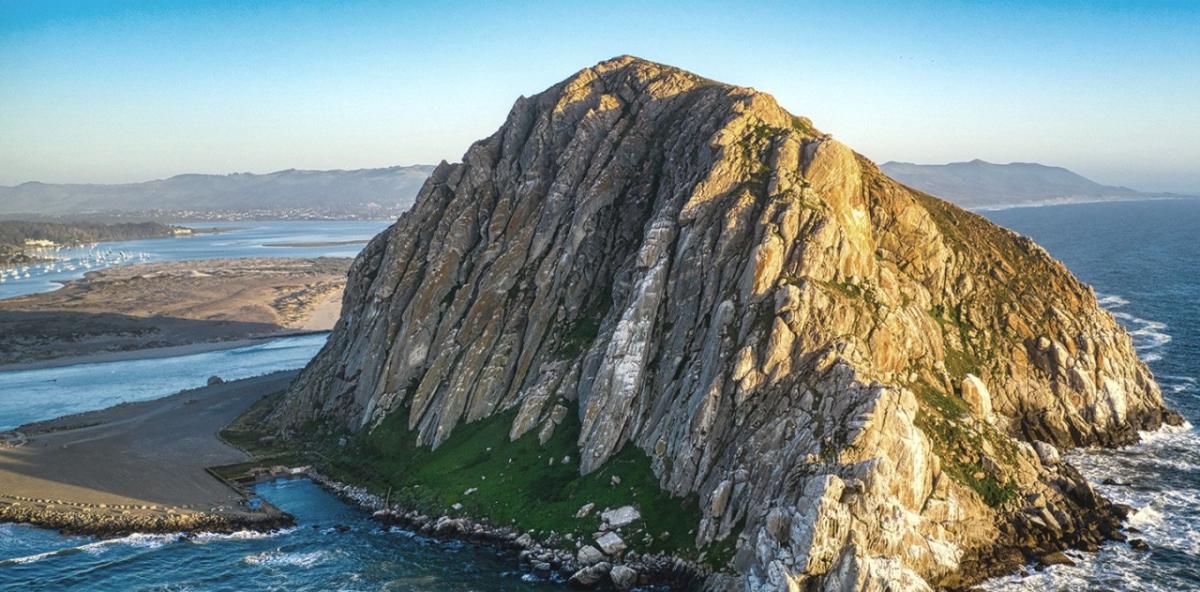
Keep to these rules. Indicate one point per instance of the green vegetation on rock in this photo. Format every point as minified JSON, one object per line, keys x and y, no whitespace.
{"x":522,"y":482}
{"x":958,"y":441}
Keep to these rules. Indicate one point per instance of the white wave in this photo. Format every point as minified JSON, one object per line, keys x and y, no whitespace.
{"x":241,"y":535}
{"x":33,"y":558}
{"x":1184,"y":379}
{"x":1165,"y":431}
{"x":144,"y":541}
{"x":282,"y":559}
{"x":1111,"y":301}
{"x":1177,"y":384}
{"x":1145,"y":517}
{"x":1148,"y":336}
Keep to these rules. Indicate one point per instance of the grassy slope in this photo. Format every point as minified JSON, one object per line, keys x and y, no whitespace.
{"x":521,"y":483}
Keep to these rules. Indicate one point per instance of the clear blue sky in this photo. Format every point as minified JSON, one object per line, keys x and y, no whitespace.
{"x":109,"y":92}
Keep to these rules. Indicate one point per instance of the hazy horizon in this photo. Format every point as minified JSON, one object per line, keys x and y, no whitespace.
{"x":120,"y":92}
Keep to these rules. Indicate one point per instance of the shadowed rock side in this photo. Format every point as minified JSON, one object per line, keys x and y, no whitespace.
{"x":855,"y":379}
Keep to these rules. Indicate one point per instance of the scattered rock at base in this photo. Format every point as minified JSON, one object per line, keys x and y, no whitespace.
{"x":589,"y":555}
{"x":585,"y":510}
{"x":610,"y":543}
{"x":1056,"y":558}
{"x":215,"y":380}
{"x":1047,"y":453}
{"x":622,"y":516}
{"x":624,"y":578}
{"x":590,"y":576}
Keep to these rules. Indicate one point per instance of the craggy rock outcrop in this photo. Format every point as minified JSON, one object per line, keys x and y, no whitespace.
{"x":856,"y":379}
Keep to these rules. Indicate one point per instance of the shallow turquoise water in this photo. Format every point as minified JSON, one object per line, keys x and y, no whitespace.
{"x":35,"y":395}
{"x":314,"y":555}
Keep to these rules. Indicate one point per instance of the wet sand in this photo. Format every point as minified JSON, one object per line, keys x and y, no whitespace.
{"x":137,"y":466}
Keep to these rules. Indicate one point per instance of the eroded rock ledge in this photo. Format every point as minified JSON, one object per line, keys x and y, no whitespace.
{"x":864,"y":386}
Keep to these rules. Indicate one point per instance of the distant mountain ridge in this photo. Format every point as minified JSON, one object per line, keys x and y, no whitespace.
{"x":978,"y":184}
{"x":380,"y":192}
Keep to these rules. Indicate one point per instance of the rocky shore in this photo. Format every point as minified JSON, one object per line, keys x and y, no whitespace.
{"x":587,"y":567}
{"x":103,"y":520}
{"x":137,"y":467}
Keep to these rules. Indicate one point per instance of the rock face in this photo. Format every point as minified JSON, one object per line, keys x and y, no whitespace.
{"x":849,"y":374}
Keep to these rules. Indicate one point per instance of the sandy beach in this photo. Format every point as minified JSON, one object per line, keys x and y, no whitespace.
{"x":139,"y":466}
{"x":199,"y":305}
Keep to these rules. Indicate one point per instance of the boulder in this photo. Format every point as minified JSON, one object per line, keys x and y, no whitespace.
{"x":623,"y":578}
{"x":1047,"y":453}
{"x":590,"y":576}
{"x":588,"y":555}
{"x":977,"y":397}
{"x":610,"y":543}
{"x":623,"y":516}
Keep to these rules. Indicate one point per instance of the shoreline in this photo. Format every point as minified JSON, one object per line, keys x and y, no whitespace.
{"x":1046,"y":203}
{"x":139,"y":467}
{"x":622,"y":570}
{"x":188,"y":306}
{"x":550,"y":557}
{"x":151,"y":353}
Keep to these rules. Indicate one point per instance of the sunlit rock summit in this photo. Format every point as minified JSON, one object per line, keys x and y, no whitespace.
{"x":863,"y":385}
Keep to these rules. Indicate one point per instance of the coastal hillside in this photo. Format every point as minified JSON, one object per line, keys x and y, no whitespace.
{"x":364,"y":193}
{"x":980,"y":184}
{"x":657,"y":315}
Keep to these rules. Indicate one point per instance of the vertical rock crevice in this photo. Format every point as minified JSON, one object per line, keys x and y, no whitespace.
{"x":861,"y":383}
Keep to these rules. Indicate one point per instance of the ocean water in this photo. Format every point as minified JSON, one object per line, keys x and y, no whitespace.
{"x":314,"y":555}
{"x":35,"y":395}
{"x":238,"y":239}
{"x":1143,"y":259}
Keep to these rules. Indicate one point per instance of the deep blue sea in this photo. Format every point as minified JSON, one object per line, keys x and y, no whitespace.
{"x":1143,"y":259}
{"x":314,"y":555}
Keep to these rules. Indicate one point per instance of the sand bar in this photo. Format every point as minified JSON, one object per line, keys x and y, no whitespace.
{"x":219,"y":303}
{"x":135,"y":467}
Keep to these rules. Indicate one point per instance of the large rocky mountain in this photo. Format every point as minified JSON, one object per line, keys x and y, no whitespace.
{"x":866,"y":387}
{"x":980,"y":184}
{"x":379,"y":192}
